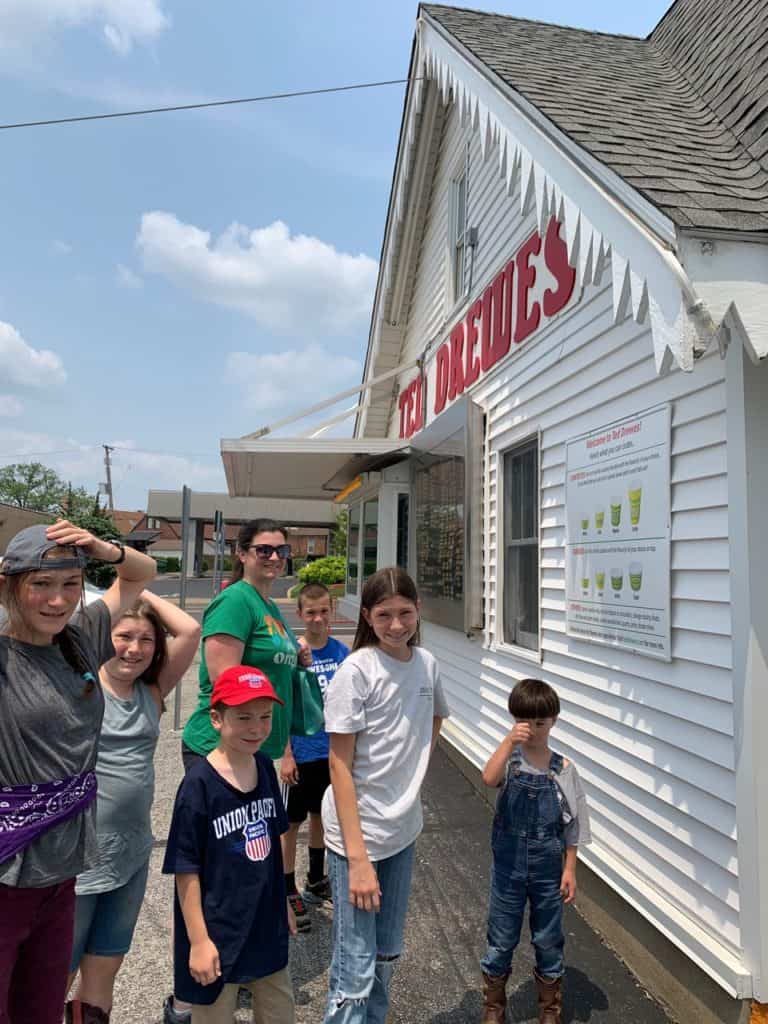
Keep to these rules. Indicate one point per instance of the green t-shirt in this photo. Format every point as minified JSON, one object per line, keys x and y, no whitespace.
{"x":240,"y":611}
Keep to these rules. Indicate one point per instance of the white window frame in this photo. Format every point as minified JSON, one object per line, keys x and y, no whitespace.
{"x":500,"y":641}
{"x":457,"y":231}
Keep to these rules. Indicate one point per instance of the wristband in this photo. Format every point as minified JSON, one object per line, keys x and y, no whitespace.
{"x":118,"y":544}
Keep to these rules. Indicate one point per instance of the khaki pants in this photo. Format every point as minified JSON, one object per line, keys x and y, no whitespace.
{"x":272,"y":1002}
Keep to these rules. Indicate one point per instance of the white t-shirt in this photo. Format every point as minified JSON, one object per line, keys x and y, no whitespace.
{"x":389,"y":705}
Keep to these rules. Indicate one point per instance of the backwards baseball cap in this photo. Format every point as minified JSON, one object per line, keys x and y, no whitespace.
{"x":241,"y":683}
{"x":27,"y":551}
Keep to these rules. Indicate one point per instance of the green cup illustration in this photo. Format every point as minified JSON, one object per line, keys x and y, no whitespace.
{"x":617,"y":580}
{"x":585,"y":583}
{"x":616,"y":510}
{"x":585,"y":525}
{"x":600,"y":580}
{"x":599,"y":518}
{"x":635,"y":578}
{"x":635,"y":494}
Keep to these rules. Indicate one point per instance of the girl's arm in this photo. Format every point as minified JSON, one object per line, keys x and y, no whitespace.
{"x":204,"y":963}
{"x":436,"y":726}
{"x":496,"y":765}
{"x":182,"y":643}
{"x":364,"y":889}
{"x":222,"y":651}
{"x":133,"y":574}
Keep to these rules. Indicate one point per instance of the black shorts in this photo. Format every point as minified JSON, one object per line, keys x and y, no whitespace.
{"x":307,"y":795}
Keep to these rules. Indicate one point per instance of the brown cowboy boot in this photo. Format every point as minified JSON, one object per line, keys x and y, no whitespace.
{"x":494,"y":998}
{"x":550,"y":999}
{"x":77,"y":1012}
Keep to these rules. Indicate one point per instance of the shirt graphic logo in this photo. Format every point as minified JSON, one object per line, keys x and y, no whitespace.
{"x":257,"y":841}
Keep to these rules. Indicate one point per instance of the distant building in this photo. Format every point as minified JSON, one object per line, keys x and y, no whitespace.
{"x":13,"y":519}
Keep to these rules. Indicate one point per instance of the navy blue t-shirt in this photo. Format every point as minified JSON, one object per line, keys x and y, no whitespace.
{"x":232,"y":841}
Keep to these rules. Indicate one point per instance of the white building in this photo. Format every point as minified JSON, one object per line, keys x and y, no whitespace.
{"x":572,"y":304}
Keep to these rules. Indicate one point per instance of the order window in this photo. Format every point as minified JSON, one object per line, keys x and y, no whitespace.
{"x":520,"y":601}
{"x":353,"y":548}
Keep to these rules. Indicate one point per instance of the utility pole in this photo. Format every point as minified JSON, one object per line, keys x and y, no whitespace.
{"x":108,"y":467}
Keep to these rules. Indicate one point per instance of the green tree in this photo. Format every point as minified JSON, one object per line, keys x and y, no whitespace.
{"x":339,"y":535}
{"x":31,"y":485}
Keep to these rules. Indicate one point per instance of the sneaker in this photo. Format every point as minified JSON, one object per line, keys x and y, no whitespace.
{"x":316,"y":893}
{"x":303,"y":923}
{"x":173,"y":1016}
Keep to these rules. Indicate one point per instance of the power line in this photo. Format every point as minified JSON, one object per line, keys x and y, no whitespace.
{"x":202,"y":106}
{"x":116,"y":448}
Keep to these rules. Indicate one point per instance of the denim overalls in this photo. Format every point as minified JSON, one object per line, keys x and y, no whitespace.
{"x":528,"y":850}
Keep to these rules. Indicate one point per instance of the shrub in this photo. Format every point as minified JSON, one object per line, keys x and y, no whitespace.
{"x":172,"y":564}
{"x":328,"y":570}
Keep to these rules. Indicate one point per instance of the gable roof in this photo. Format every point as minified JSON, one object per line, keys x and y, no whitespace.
{"x":679,"y":116}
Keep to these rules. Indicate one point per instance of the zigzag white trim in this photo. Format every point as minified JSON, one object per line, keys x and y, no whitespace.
{"x":648,"y":280}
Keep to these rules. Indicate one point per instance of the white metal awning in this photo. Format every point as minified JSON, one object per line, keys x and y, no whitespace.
{"x":301,"y":467}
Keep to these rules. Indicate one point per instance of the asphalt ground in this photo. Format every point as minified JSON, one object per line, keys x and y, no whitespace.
{"x":437,"y":979}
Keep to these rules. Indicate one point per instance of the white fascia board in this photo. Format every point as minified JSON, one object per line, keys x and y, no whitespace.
{"x":600,"y":212}
{"x":731,"y":276}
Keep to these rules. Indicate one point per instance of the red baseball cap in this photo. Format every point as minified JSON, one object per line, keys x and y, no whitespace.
{"x":241,"y":683}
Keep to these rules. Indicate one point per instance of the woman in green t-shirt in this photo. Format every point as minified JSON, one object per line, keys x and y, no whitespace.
{"x":244,"y":626}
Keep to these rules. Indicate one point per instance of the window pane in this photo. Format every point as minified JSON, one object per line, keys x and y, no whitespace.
{"x":401,"y":555}
{"x":521,"y":548}
{"x":353,"y":541}
{"x":439,"y":525}
{"x":370,"y":537}
{"x":461,"y":206}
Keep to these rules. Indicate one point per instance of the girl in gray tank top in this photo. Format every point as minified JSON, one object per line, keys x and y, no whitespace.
{"x":154,"y":643}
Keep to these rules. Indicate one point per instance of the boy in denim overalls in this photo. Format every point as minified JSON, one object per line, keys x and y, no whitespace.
{"x":541,"y":818}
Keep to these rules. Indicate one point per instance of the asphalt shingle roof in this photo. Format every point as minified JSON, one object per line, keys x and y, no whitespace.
{"x":682,"y":116}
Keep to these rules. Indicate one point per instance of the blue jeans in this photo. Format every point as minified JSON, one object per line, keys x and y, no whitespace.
{"x":526,"y":870}
{"x":366,"y":945}
{"x":105,"y":921}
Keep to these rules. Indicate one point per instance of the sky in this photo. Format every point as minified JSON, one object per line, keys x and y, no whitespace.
{"x":169,"y":280}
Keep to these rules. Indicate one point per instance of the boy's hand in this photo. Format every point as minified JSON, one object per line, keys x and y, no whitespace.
{"x":204,"y":963}
{"x":292,"y":927}
{"x":521,"y":733}
{"x":305,"y":653}
{"x":568,"y":885}
{"x":364,"y":891}
{"x":289,"y":770}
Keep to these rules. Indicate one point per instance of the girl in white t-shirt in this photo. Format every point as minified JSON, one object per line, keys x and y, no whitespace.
{"x":383,"y":713}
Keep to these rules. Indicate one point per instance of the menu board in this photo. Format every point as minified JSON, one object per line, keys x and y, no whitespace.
{"x":617,"y":502}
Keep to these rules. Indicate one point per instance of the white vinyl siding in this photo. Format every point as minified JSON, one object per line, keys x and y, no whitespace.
{"x":653,"y":740}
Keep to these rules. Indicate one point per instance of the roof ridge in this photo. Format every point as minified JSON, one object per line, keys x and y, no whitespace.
{"x":536,"y":21}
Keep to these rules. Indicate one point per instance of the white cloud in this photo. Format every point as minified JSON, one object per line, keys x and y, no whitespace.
{"x":291,"y":379}
{"x":133,"y":472}
{"x":60,"y":248}
{"x":123,"y":22}
{"x":126,"y":278}
{"x":288,"y":283}
{"x":27,"y":367}
{"x":10,"y":406}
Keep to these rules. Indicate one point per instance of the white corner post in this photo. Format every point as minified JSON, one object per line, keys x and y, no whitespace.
{"x":747,"y":427}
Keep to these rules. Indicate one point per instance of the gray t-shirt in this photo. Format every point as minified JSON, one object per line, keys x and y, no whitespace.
{"x":126,"y":775}
{"x":49,"y":729}
{"x":389,"y":705}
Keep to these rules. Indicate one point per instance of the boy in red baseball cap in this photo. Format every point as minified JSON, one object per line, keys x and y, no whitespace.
{"x":232,"y":917}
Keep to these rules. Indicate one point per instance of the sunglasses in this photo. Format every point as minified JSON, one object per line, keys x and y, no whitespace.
{"x":266,"y":551}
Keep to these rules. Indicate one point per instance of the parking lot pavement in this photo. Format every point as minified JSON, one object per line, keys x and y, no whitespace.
{"x":437,"y":979}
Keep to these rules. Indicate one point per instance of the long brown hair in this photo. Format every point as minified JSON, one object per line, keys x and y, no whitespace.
{"x":70,"y":649}
{"x":143,"y":610}
{"x":244,"y":537}
{"x":390,"y":582}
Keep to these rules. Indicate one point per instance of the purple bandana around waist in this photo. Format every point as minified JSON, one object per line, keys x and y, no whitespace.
{"x":28,"y":811}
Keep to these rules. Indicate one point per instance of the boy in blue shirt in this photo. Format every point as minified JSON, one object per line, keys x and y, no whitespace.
{"x":231,"y":916}
{"x":305,"y":763}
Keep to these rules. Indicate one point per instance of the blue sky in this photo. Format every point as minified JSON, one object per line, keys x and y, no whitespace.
{"x":166,"y":281}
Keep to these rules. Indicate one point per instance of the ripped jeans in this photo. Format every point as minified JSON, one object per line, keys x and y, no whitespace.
{"x":366,"y":945}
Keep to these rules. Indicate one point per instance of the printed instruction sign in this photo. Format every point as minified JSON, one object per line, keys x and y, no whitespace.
{"x":617,"y":506}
